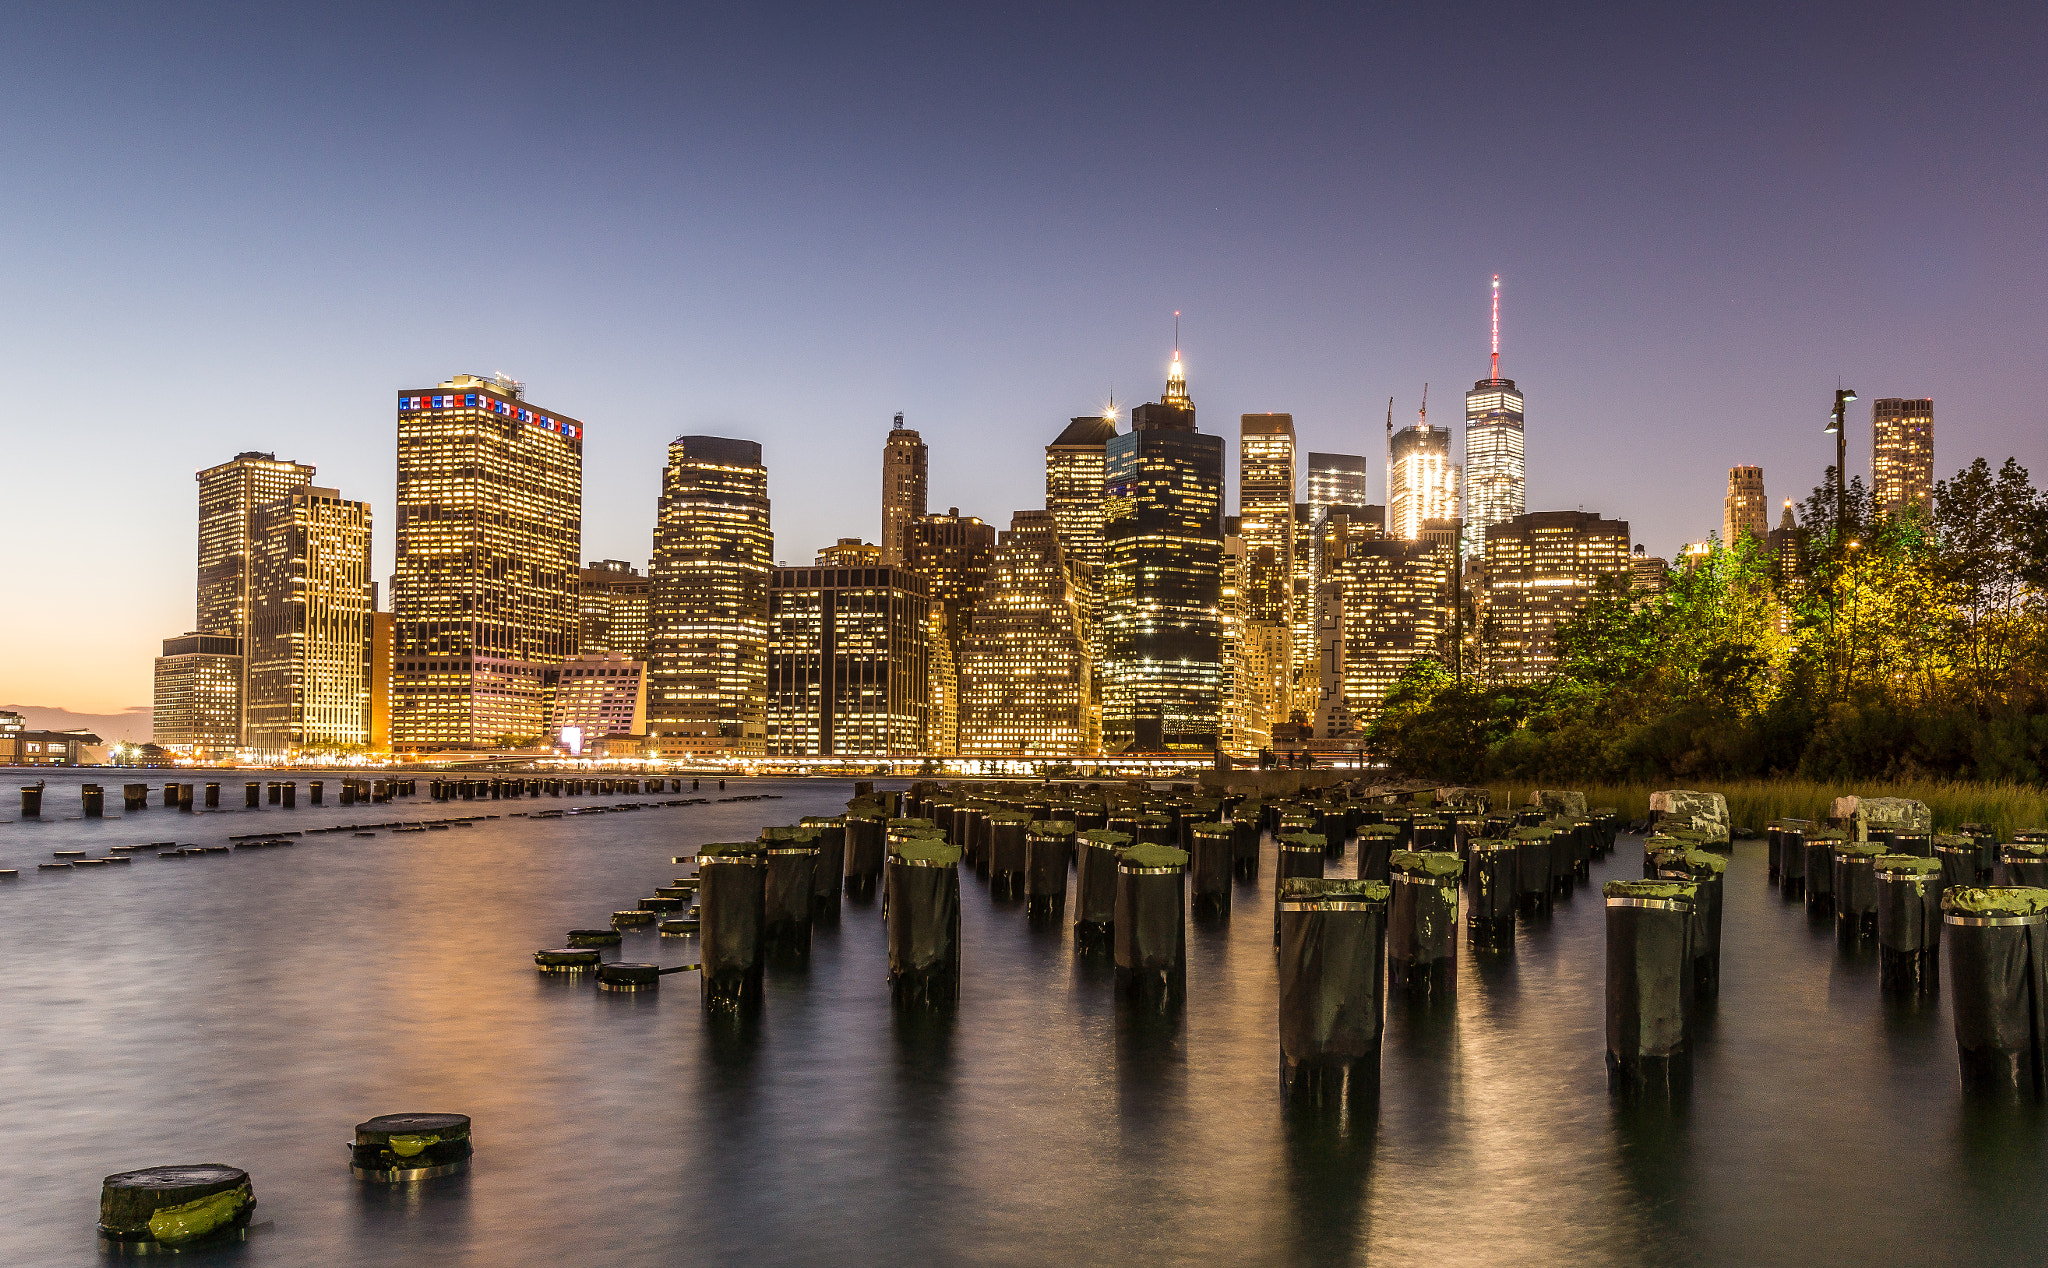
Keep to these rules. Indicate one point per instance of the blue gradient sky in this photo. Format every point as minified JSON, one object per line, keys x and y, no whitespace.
{"x":229,"y":229}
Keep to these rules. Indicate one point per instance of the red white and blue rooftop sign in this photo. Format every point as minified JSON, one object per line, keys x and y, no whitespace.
{"x":490,"y":405}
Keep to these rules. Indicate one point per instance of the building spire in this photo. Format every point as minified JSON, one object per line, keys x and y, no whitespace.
{"x":1496,"y":325}
{"x":1176,"y":376}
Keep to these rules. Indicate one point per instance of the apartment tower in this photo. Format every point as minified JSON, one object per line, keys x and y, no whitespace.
{"x":1744,"y":510}
{"x":904,"y":480}
{"x":1902,"y":453}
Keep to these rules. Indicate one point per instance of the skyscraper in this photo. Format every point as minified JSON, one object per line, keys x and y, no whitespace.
{"x":490,"y":527}
{"x":1495,"y":473}
{"x":952,"y":552}
{"x":1162,"y":526}
{"x":904,"y":459}
{"x":1541,"y":567}
{"x":611,"y":609}
{"x":707,"y":636}
{"x":1902,"y":452}
{"x":1390,"y":602}
{"x":309,"y":645}
{"x":1422,"y":481}
{"x":1266,"y":522}
{"x":848,"y":660}
{"x":229,"y":497}
{"x":1744,"y":510}
{"x":1336,"y":479}
{"x":1024,"y":671}
{"x":1073,"y":485}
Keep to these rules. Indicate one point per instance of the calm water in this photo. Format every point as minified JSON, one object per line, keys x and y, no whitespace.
{"x":251,"y":1008}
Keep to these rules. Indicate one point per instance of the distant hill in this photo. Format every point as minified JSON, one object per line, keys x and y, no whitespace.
{"x":130,"y":724}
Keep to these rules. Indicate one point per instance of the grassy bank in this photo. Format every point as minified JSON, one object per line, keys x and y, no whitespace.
{"x":1753,"y":803}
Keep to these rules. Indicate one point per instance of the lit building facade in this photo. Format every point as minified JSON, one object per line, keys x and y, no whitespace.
{"x":1390,"y":603}
{"x":490,"y":528}
{"x":1496,"y":475}
{"x":1266,"y":519}
{"x":952,"y":552}
{"x":1648,"y":574}
{"x":1902,"y":452}
{"x":198,"y":699}
{"x":596,"y":694}
{"x":229,"y":496}
{"x":1744,"y":509}
{"x":1026,"y":681}
{"x":707,"y":637}
{"x":848,"y":659}
{"x":1422,"y":481}
{"x":611,"y":608}
{"x":1073,"y":486}
{"x":1162,"y":526}
{"x":309,"y":645}
{"x":904,"y":461}
{"x":383,"y":641}
{"x":849,"y":552}
{"x":1541,"y":567}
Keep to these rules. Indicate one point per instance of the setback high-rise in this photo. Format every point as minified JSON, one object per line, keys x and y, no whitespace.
{"x":1162,"y":525}
{"x":1902,"y":452}
{"x":1024,"y":666}
{"x":1744,"y":509}
{"x":490,"y":527}
{"x":1541,"y":567}
{"x":1388,"y":603}
{"x":707,"y":636}
{"x":309,"y":648}
{"x":904,"y":461}
{"x":229,"y":496}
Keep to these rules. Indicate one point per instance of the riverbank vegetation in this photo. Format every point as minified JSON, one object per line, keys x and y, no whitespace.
{"x":1875,"y":648}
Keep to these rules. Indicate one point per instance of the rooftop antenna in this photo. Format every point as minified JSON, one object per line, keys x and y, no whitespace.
{"x":1496,"y":325}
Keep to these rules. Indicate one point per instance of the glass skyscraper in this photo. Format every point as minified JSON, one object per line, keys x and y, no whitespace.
{"x":1162,"y":528}
{"x":1495,"y":475}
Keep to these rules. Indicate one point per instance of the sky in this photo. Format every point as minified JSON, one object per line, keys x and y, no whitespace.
{"x":248,"y":227}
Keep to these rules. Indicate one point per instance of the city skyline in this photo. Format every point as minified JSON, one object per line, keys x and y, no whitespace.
{"x":663,"y":278}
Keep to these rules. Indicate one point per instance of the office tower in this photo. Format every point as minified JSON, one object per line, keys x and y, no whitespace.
{"x":1265,"y":505}
{"x":198,"y":703}
{"x":849,"y":552}
{"x":309,"y":624}
{"x":1336,"y":479}
{"x":1230,"y":619}
{"x":1422,"y":481}
{"x":1744,"y":510}
{"x":1541,"y":567}
{"x":383,"y":641}
{"x":1496,"y":475}
{"x":1388,"y":603}
{"x":707,"y":626}
{"x":1303,"y":681}
{"x":1073,"y":485}
{"x":952,"y":552}
{"x":490,"y":527}
{"x":229,"y":495}
{"x":904,"y":459}
{"x":1902,"y":453}
{"x":1024,"y":666}
{"x":848,"y":660}
{"x":942,"y":736}
{"x":1162,"y":528}
{"x":611,"y":608}
{"x":1648,"y":574}
{"x":596,"y":694}
{"x":1695,"y":554}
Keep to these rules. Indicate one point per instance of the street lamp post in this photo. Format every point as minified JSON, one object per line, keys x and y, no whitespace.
{"x":1838,"y":425}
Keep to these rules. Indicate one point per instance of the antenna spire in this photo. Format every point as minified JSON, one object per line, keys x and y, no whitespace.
{"x":1496,"y":325}
{"x":1176,"y":377}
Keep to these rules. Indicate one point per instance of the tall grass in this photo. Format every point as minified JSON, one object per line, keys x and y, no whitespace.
{"x":1755,"y":802}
